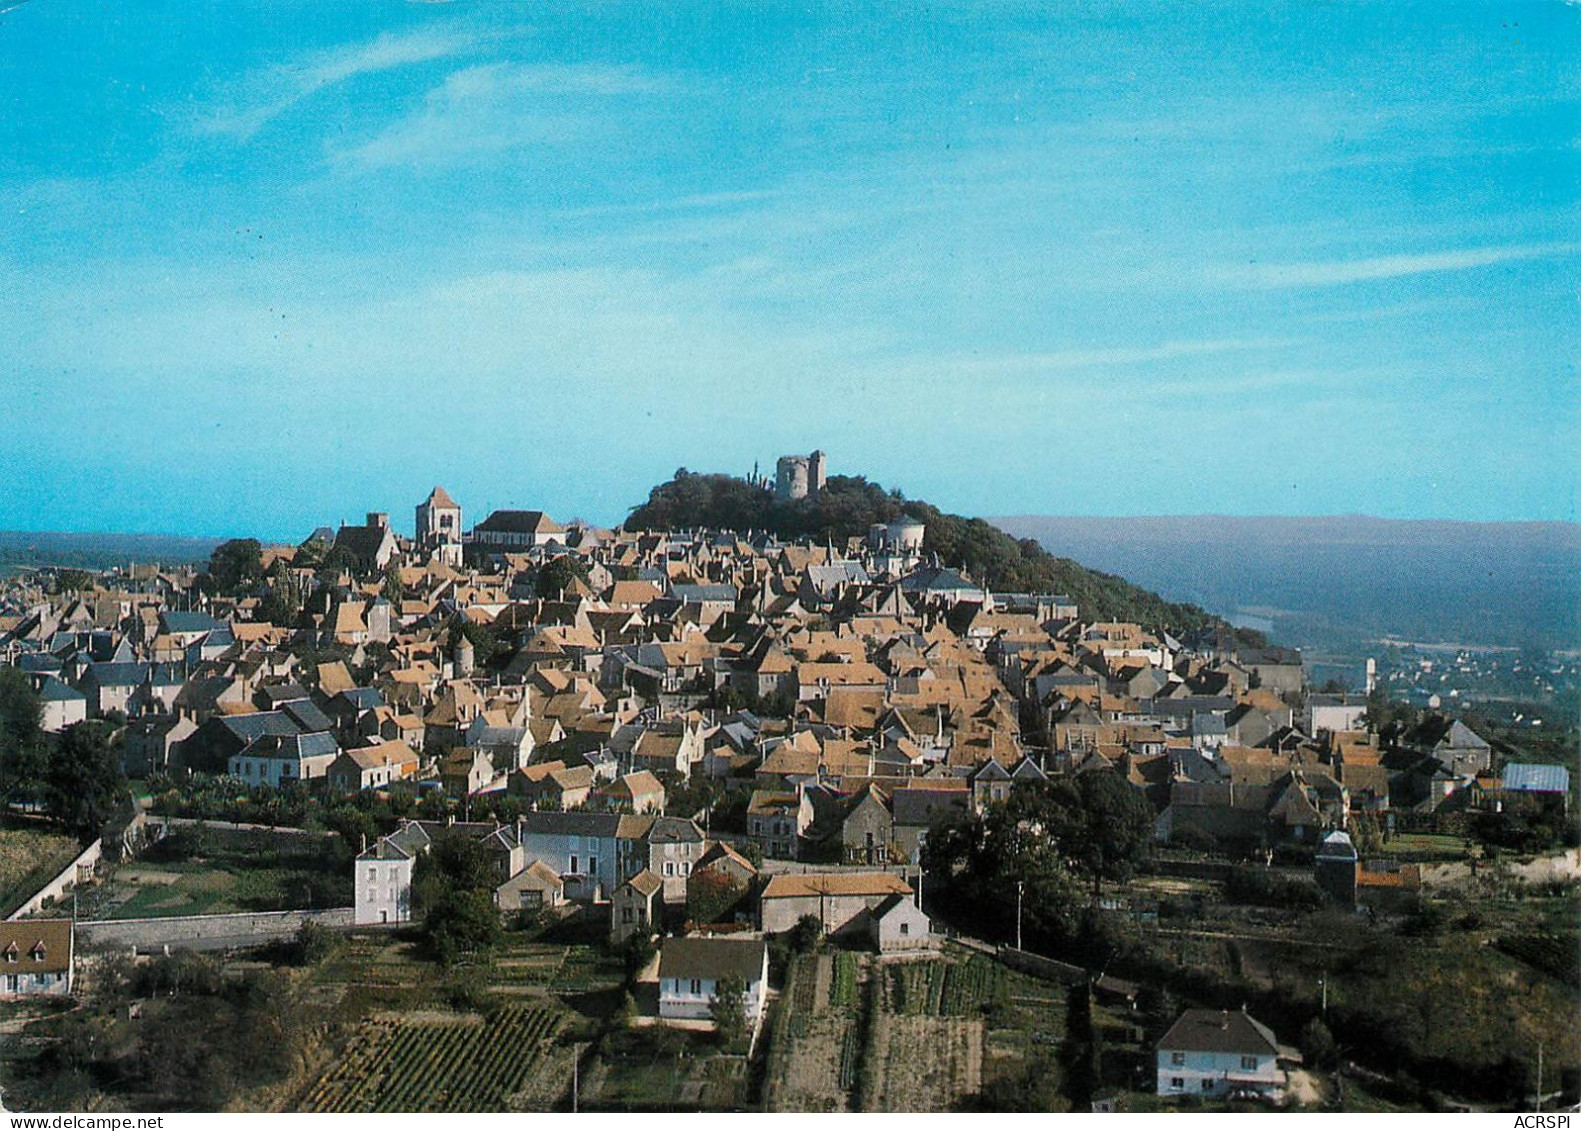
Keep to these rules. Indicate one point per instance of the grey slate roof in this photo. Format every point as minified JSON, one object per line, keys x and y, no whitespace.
{"x":54,"y":691}
{"x":281,"y":693}
{"x":990,"y":770}
{"x":570,"y":824}
{"x":179,"y":620}
{"x":118,"y":675}
{"x":712,"y":958}
{"x":674,"y":830}
{"x":259,"y":723}
{"x":496,"y":736}
{"x":292,"y":746}
{"x":688,"y":594}
{"x":1212,"y":1030}
{"x":307,"y":715}
{"x":936,"y":580}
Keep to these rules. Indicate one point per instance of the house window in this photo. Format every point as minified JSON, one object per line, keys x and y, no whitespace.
{"x":1207,"y":1085}
{"x":697,"y":985}
{"x":905,"y":928}
{"x":1177,"y":1082}
{"x":1249,"y":1063}
{"x":669,"y":868}
{"x":1177,"y":1058}
{"x":625,"y":914}
{"x":592,"y":865}
{"x":573,"y":865}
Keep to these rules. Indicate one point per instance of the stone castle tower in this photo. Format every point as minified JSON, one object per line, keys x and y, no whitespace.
{"x":796,"y":477}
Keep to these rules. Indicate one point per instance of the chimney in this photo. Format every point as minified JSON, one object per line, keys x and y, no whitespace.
{"x":378,"y":518}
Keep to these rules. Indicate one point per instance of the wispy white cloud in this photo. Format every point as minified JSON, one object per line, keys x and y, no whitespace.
{"x":496,"y":107}
{"x":695,"y":202}
{"x":267,"y":94}
{"x":1038,"y":362}
{"x":1340,"y":272}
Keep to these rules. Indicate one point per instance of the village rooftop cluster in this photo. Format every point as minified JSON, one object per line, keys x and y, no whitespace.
{"x":836,"y":703}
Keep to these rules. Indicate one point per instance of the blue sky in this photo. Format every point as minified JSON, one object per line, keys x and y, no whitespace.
{"x":264,"y":266}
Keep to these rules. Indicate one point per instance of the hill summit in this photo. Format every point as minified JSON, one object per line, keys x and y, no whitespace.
{"x":845,"y":507}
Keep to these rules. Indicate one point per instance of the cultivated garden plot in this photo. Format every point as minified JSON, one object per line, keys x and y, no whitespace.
{"x":924,"y":1063}
{"x":855,"y":1032}
{"x":429,"y":1062}
{"x":812,"y":1065}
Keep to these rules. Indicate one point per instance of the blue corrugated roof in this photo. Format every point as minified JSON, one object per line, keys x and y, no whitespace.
{"x":1531,"y":777}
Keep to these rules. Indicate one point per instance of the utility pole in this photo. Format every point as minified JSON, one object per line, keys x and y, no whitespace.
{"x":1020,"y":886}
{"x":1323,"y":985}
{"x":576,"y":1078}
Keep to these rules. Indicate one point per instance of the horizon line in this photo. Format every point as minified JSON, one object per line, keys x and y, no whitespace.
{"x":1200,"y":515}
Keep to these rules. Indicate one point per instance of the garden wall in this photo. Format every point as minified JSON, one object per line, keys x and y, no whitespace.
{"x":206,"y":932}
{"x":69,"y":875}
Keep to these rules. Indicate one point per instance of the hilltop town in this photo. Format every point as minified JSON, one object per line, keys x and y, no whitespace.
{"x":498,"y":814}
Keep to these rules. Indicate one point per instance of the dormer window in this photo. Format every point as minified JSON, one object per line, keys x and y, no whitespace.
{"x":38,"y":952}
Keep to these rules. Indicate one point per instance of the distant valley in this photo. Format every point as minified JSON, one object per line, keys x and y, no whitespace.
{"x":1330,"y":584}
{"x":30,"y":548}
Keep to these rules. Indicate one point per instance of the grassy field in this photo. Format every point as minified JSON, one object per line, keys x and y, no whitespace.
{"x":234,"y":871}
{"x":1425,"y":848}
{"x":30,"y":856}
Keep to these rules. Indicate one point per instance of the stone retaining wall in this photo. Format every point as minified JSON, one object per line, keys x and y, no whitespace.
{"x":206,"y":932}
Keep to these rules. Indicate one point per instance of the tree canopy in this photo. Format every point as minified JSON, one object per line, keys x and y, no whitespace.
{"x":453,"y":889}
{"x":557,"y":574}
{"x":84,"y":784}
{"x":23,"y":750}
{"x":236,"y":563}
{"x":729,"y":1013}
{"x":1053,"y":842}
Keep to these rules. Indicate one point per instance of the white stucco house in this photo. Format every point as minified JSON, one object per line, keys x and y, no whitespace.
{"x":1210,"y":1052}
{"x":690,"y":970}
{"x":62,"y":705}
{"x":898,"y":926}
{"x":383,"y":877}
